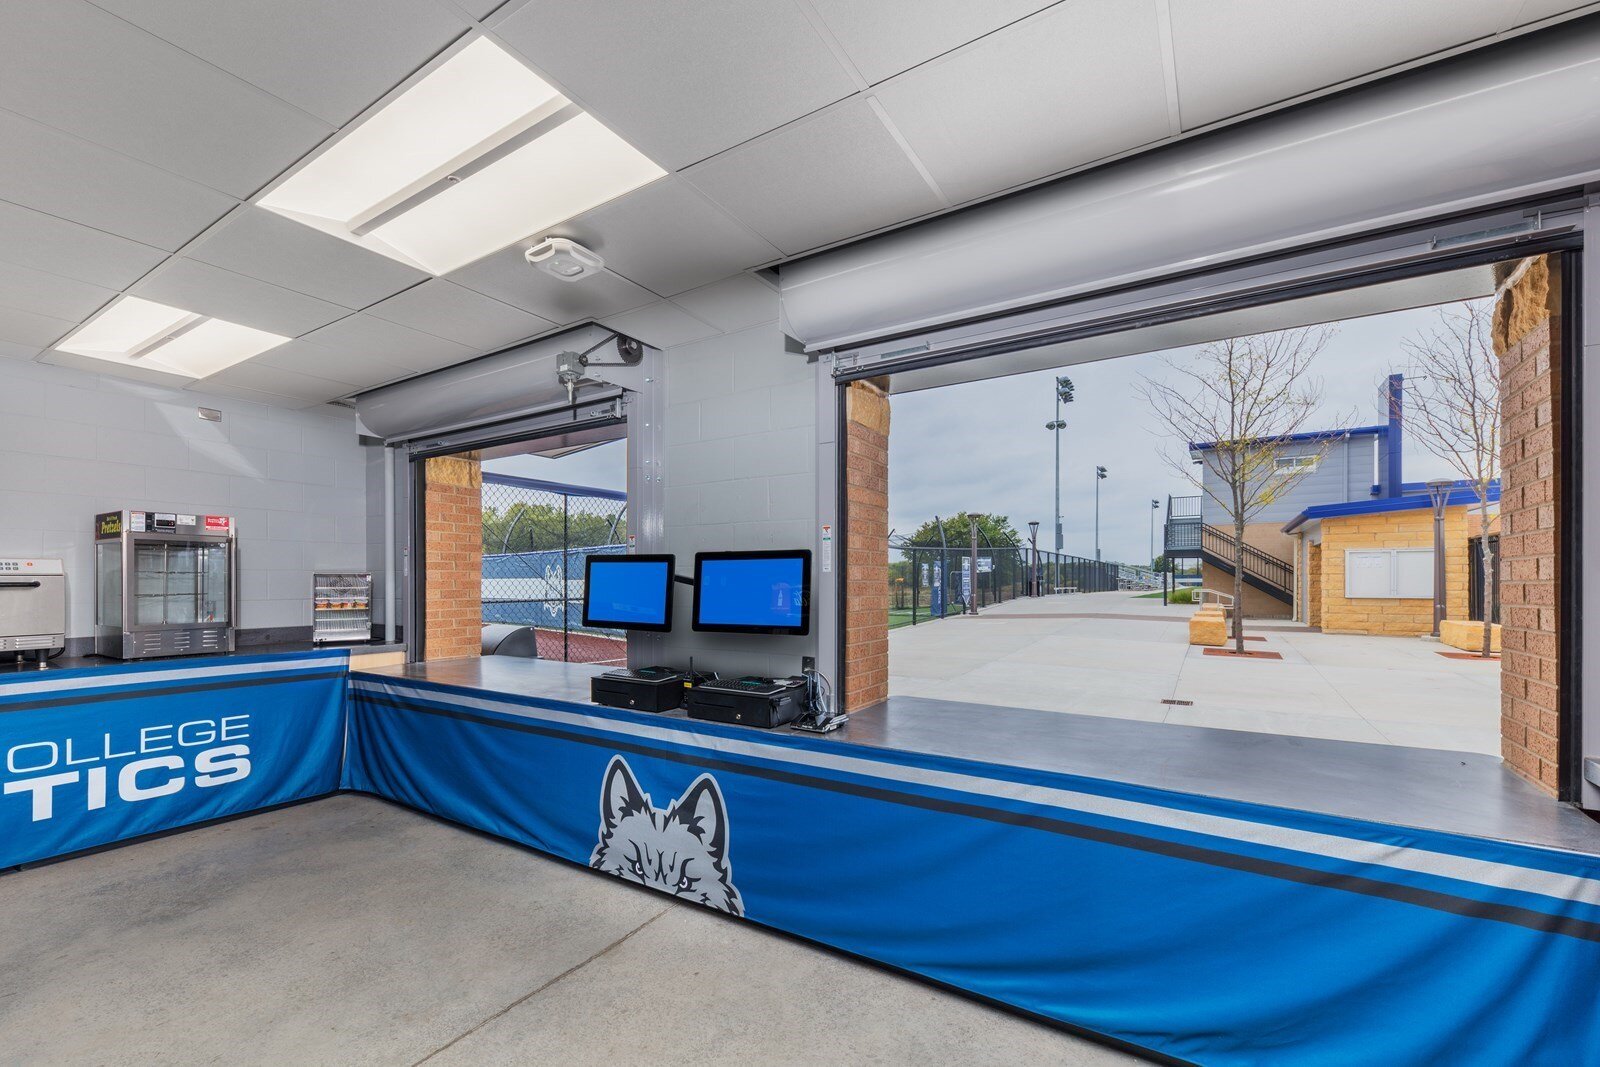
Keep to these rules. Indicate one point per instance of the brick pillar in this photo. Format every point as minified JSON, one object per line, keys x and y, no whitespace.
{"x":1527,"y":336}
{"x":453,"y":556}
{"x":866,"y":571}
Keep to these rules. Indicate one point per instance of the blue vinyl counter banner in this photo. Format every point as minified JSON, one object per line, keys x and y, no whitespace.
{"x":98,"y":755}
{"x":1207,"y":930}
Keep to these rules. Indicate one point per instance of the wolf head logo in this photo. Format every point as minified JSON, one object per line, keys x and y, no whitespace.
{"x":682,"y":851}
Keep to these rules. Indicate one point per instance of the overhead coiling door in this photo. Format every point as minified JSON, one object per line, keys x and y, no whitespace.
{"x":1197,"y":221}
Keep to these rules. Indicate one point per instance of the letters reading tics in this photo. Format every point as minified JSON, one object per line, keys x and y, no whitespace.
{"x":160,"y":761}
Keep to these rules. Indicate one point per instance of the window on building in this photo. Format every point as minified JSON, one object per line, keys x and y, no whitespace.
{"x":1285,"y":465}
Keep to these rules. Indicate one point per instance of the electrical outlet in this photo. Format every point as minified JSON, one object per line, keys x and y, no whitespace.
{"x":808,"y":663}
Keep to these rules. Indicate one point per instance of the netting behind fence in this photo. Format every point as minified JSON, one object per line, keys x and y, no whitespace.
{"x":928,"y":582}
{"x":536,"y":537}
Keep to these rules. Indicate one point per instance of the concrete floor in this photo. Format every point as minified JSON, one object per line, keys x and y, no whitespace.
{"x":351,"y":931}
{"x":1118,"y":655}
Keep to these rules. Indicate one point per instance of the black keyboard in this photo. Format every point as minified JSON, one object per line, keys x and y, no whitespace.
{"x":759,"y":686}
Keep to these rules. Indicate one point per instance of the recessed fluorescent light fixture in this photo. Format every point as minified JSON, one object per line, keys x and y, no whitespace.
{"x":142,"y":333}
{"x":477,"y":155}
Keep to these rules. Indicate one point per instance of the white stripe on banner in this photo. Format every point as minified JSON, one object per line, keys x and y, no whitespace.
{"x":110,"y":676}
{"x":1420,"y":861}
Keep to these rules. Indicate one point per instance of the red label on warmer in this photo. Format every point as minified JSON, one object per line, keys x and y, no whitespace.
{"x":216,"y":522}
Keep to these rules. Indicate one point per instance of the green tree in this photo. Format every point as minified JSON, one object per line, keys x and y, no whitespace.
{"x":992,"y":530}
{"x":526,"y":527}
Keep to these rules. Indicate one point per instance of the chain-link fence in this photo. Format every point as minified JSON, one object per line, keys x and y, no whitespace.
{"x":536,"y":536}
{"x":930,"y":581}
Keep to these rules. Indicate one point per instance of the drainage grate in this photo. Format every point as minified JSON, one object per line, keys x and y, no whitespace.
{"x":1180,"y":703}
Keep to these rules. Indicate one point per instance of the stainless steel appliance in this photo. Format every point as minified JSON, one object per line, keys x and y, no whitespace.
{"x":167,"y":584}
{"x":33,"y":606}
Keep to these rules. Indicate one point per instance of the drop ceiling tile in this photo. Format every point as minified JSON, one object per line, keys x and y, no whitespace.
{"x":668,"y":238}
{"x":1526,"y":11}
{"x":332,"y":60}
{"x":506,"y":276}
{"x":826,"y":178}
{"x":33,"y":239}
{"x":264,"y":245}
{"x":1237,"y":55}
{"x":50,"y":294}
{"x":682,"y":81}
{"x":49,"y":171}
{"x":276,"y":382}
{"x":886,"y":37}
{"x":661,"y":325}
{"x":732,"y":304}
{"x":445,"y":309}
{"x":208,"y":290}
{"x":16,"y":351}
{"x":1075,"y":84}
{"x":374,"y":338}
{"x":80,"y":69}
{"x":356,"y":370}
{"x":31,"y":329}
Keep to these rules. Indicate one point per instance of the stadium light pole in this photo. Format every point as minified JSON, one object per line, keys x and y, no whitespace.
{"x":1099,"y":476}
{"x":1064,"y":395}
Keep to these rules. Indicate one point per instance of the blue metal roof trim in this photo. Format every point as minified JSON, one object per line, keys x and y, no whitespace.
{"x":1392,"y":503}
{"x":1307,"y":435}
{"x":554,"y":487}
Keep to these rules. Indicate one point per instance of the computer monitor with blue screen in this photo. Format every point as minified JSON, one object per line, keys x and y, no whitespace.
{"x":628,"y":592}
{"x":753,"y":592}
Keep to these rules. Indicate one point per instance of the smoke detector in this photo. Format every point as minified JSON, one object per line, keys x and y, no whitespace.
{"x":564,"y":259}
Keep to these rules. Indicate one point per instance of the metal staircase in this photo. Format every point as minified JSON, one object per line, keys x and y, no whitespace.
{"x":1185,"y":536}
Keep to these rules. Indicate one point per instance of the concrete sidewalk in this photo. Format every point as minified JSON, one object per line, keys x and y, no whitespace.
{"x":1120,"y":655}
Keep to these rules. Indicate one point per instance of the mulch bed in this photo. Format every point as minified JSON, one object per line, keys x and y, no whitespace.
{"x":1247,"y":654}
{"x":1495,"y":658}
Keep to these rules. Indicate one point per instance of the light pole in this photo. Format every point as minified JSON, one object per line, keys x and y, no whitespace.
{"x":1438,"y":496}
{"x":1033,"y":573}
{"x":1154,"y":504}
{"x":1099,"y":476}
{"x":1055,"y":426}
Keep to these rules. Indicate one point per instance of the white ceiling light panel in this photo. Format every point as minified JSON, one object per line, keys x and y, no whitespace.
{"x":142,"y":333}
{"x":477,"y":155}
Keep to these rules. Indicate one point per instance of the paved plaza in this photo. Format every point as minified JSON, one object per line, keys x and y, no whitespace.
{"x":1119,"y":655}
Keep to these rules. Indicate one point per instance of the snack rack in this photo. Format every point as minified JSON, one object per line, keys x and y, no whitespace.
{"x":341,"y":608}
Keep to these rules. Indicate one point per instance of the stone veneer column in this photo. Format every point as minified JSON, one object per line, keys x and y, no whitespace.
{"x":452,"y":556}
{"x":866,"y":571}
{"x":1527,"y":337}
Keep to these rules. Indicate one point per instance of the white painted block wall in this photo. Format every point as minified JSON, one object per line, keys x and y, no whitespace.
{"x":73,"y":444}
{"x":740,"y":464}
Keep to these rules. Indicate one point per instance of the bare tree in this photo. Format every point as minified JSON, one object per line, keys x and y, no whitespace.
{"x":1243,"y":398}
{"x":1456,"y":400}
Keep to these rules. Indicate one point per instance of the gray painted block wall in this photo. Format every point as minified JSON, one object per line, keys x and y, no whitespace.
{"x":1345,"y":474}
{"x":73,"y":444}
{"x":740,"y":467}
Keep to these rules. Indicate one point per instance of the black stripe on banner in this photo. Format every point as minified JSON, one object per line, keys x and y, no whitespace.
{"x":1424,"y":898}
{"x":162,"y":691}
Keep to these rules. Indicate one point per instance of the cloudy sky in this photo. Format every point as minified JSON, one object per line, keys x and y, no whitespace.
{"x":983,"y":446}
{"x":603,"y":466}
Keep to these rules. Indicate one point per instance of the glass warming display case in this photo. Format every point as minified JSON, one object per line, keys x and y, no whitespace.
{"x":166,"y":584}
{"x":341,"y":607}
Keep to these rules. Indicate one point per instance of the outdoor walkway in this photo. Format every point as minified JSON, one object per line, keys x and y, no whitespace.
{"x":1120,"y":655}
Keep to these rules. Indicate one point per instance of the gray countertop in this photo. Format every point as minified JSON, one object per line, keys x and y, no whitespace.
{"x":1454,"y":792}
